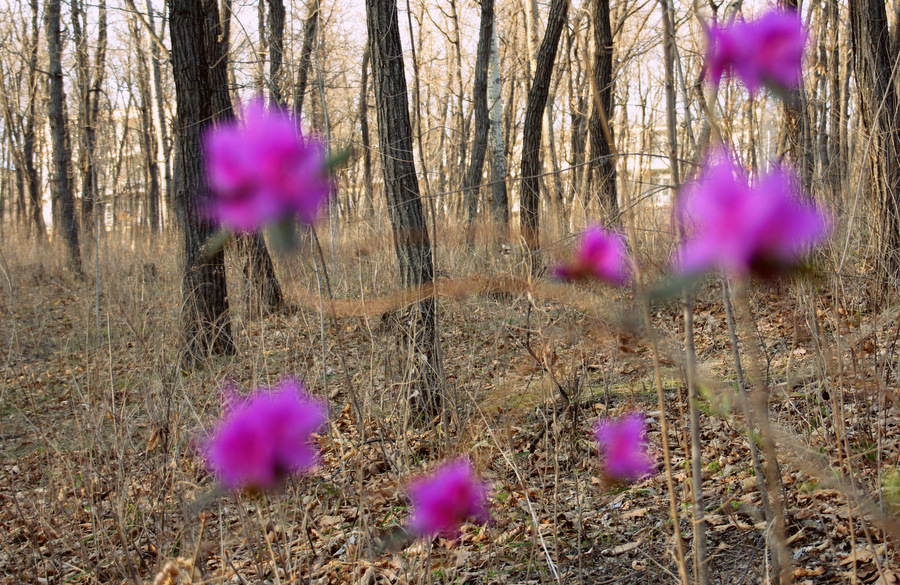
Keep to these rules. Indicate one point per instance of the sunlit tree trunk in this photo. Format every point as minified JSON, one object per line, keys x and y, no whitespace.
{"x":160,"y":99}
{"x":499,"y":199}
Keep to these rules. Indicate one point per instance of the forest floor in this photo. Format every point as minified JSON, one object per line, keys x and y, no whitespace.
{"x":100,"y":480}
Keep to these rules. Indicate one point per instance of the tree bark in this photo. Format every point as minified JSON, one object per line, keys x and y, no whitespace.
{"x":602,"y":166}
{"x":531,"y":141}
{"x":276,"y":50}
{"x":798,"y":130}
{"x":61,"y":152}
{"x":159,"y":96}
{"x":482,"y":123}
{"x":364,"y":134}
{"x":265,"y":293}
{"x":499,"y":199}
{"x":309,"y":36}
{"x":205,"y":319}
{"x":148,"y":133}
{"x":872,"y":59}
{"x":412,"y":245}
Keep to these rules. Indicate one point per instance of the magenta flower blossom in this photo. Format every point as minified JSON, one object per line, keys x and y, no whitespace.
{"x":623,"y":448}
{"x":764,"y":52}
{"x":261,"y":170}
{"x":266,"y":437}
{"x":598,"y":254}
{"x":739,"y":228}
{"x":446,"y":499}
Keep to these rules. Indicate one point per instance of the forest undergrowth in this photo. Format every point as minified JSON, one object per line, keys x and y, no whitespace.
{"x":100,"y":424}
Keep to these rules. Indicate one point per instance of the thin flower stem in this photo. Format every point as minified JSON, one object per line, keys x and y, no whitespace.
{"x":262,"y":525}
{"x":760,"y":404}
{"x":744,"y":404}
{"x":641,"y":293}
{"x":701,"y":573}
{"x":351,"y":390}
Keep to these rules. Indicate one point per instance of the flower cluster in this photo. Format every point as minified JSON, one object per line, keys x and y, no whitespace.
{"x":623,"y":448}
{"x":739,"y":227}
{"x":765,"y":52}
{"x":261,"y":170}
{"x":446,"y":499}
{"x":598,"y":254}
{"x":266,"y":437}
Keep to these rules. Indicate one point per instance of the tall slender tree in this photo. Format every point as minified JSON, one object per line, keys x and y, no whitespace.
{"x":603,"y":167}
{"x":149,"y":146}
{"x":90,"y":87}
{"x":482,"y":121}
{"x":160,"y":100}
{"x":310,"y":29}
{"x":61,"y":152}
{"x":529,"y":207}
{"x":419,"y":340}
{"x":499,"y":198}
{"x":364,"y":133}
{"x":276,"y":49}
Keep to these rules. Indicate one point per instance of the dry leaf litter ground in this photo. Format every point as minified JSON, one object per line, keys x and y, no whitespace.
{"x":100,"y":481}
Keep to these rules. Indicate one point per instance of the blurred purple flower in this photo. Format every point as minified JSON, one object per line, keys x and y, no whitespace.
{"x":740,"y":228}
{"x":266,"y":437}
{"x":261,"y":170}
{"x":598,"y":254}
{"x":623,"y":448}
{"x":767,"y":51}
{"x":446,"y":499}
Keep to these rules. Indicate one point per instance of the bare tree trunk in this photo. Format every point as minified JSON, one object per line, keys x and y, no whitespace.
{"x":31,"y":175}
{"x":603,"y":168}
{"x":309,"y":36}
{"x":265,"y":294}
{"x":364,"y":134}
{"x":499,"y":199}
{"x":878,"y":105}
{"x":420,"y":340}
{"x":148,"y":133}
{"x":482,"y":123}
{"x":207,"y":327}
{"x":164,"y":145}
{"x":462,"y":126}
{"x":276,"y":49}
{"x":61,"y":152}
{"x":797,"y":125}
{"x":531,"y":141}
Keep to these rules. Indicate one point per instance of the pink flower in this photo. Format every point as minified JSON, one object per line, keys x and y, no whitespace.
{"x":768,"y":51}
{"x":446,"y":499}
{"x":261,"y":170}
{"x":265,"y":438}
{"x":738,"y":228}
{"x":598,"y":254}
{"x":623,"y":448}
